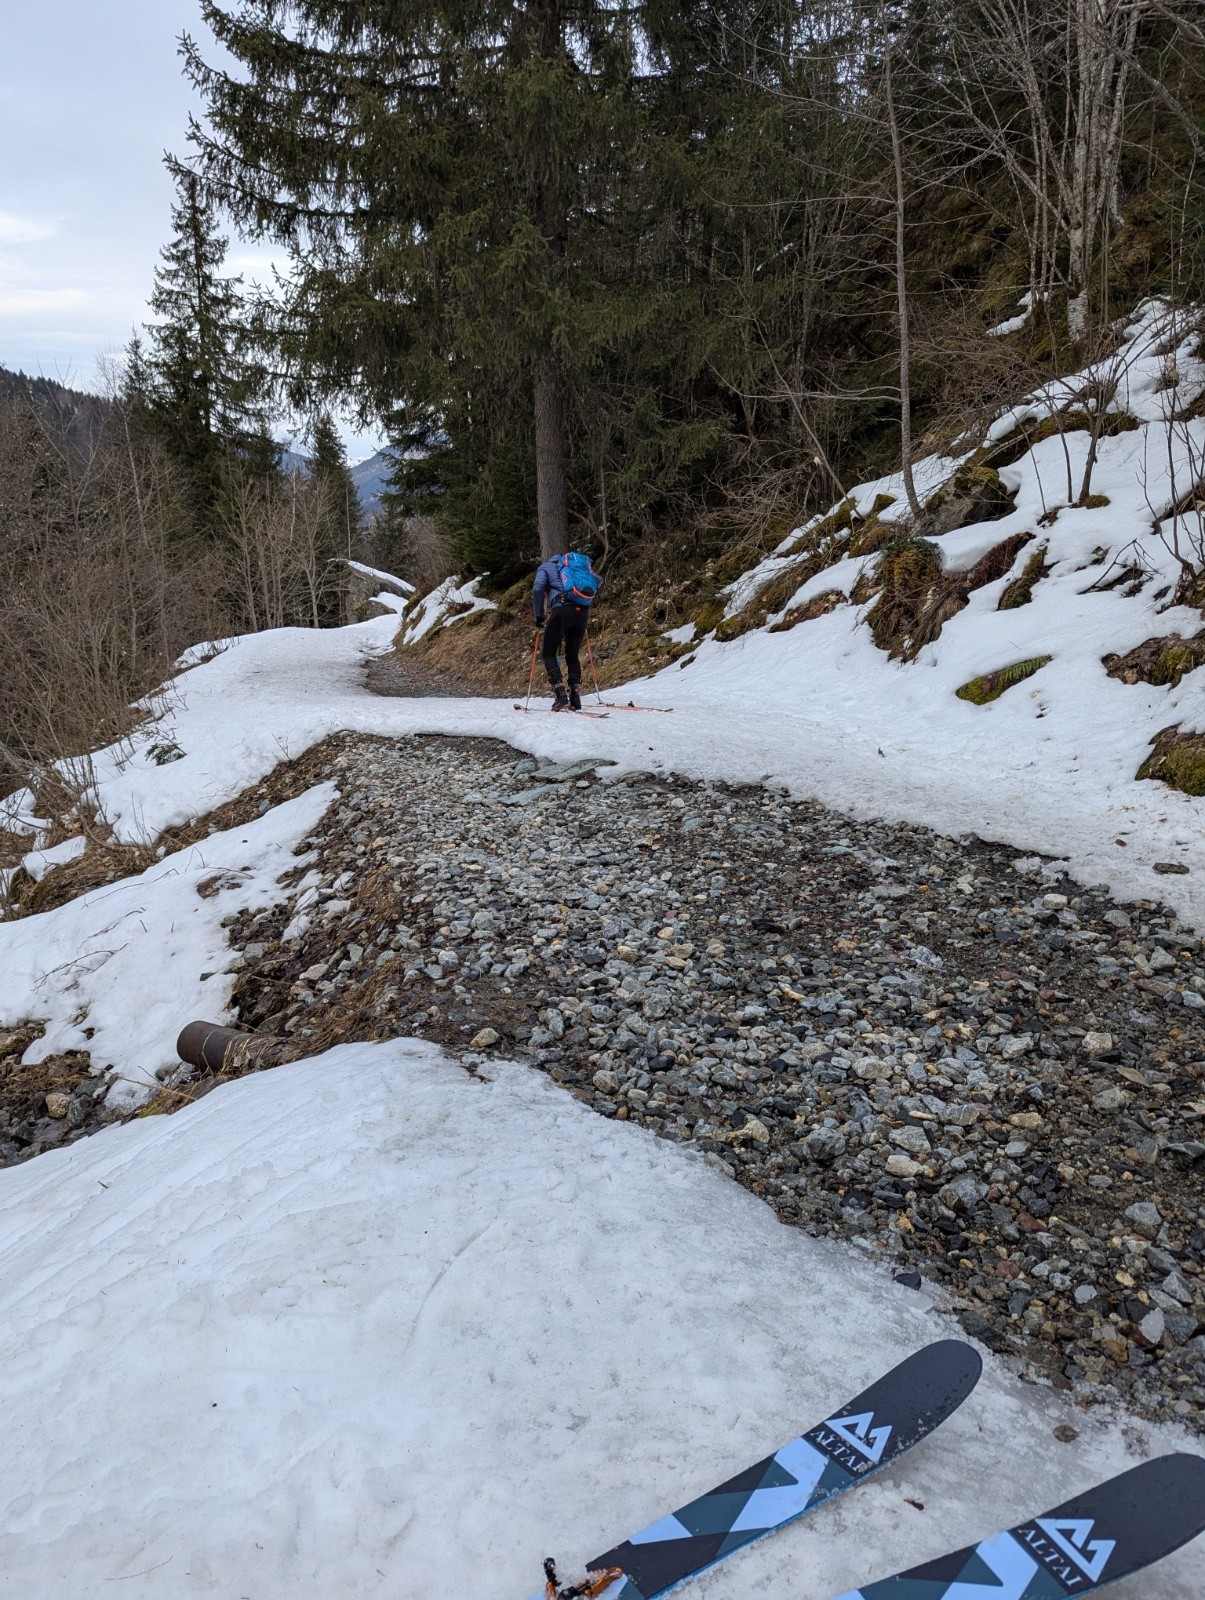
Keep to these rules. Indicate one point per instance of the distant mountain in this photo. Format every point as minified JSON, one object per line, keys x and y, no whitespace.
{"x":82,"y":416}
{"x":371,"y":478}
{"x":78,"y":417}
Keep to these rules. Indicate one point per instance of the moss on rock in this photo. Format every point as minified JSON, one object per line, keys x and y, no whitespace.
{"x":1162,"y":662}
{"x":1178,"y":760}
{"x":1020,"y":591}
{"x":818,"y":606}
{"x":980,"y":691}
{"x":975,"y":493}
{"x":917,"y":599}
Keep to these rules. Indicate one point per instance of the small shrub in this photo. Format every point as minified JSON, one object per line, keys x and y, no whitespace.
{"x":979,"y":691}
{"x":165,"y":752}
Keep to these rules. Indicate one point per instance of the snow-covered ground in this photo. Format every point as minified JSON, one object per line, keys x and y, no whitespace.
{"x":447,"y":602}
{"x":369,"y":1325}
{"x":117,"y":972}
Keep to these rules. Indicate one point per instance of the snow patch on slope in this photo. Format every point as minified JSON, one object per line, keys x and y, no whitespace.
{"x":118,"y":972}
{"x":447,"y":603}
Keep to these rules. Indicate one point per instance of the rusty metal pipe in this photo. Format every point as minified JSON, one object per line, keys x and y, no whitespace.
{"x":213,"y":1048}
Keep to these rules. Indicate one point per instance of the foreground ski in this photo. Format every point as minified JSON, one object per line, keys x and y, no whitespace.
{"x":1110,"y":1532}
{"x":868,"y":1433}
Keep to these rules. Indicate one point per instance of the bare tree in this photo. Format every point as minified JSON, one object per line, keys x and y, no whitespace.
{"x":1045,"y":86}
{"x":901,"y":282}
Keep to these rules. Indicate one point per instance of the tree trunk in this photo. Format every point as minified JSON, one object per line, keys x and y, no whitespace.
{"x":551,"y":496}
{"x":901,"y":282}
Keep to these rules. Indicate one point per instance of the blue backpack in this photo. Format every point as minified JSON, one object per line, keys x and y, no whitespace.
{"x":579,"y":581}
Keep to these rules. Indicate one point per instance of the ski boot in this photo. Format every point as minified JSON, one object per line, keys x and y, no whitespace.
{"x":575,"y":699}
{"x":560,"y":700}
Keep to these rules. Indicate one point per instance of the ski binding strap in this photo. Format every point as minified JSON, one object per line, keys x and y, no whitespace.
{"x":590,"y":1586}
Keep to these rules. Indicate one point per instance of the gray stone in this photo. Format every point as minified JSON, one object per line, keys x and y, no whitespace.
{"x":1110,"y":1099}
{"x":1152,"y":1325}
{"x":914,"y":1140}
{"x":1144,"y":1214}
{"x":1096,"y":1043}
{"x":962,"y":1193}
{"x":901,"y":1166}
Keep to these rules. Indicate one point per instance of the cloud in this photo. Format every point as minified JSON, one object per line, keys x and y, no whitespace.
{"x":20,"y":302}
{"x":22,"y":230}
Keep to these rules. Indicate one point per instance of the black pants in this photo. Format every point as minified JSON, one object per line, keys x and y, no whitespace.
{"x":566,"y":625}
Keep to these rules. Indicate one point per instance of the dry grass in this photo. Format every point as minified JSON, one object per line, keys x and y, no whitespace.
{"x":106,"y":860}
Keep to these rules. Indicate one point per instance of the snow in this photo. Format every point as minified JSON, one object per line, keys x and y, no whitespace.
{"x":446,"y":603}
{"x":370,"y":1325}
{"x":682,"y":635}
{"x":375,"y":573}
{"x":118,"y":971}
{"x":1014,"y":324}
{"x":39,"y":862}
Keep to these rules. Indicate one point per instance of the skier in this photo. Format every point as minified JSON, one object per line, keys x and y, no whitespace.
{"x":561,"y":597}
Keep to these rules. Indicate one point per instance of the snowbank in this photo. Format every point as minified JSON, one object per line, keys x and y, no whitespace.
{"x":368,"y":1325}
{"x":448,"y":602}
{"x":117,"y":972}
{"x":387,"y":580}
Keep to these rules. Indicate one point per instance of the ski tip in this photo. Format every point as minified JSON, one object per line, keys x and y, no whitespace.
{"x":1179,"y":1474}
{"x":953,"y":1358}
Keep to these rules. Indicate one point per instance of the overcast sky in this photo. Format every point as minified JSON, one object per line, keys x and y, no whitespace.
{"x":91,"y":95}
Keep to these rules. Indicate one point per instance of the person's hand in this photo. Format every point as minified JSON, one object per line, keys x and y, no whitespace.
{"x":539,"y":626}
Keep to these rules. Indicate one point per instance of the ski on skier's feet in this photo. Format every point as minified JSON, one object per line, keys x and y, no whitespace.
{"x":1107,"y":1533}
{"x":868,"y":1433}
{"x":614,"y":705}
{"x":597,"y":716}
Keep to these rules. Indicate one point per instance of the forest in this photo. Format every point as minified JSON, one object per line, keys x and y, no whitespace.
{"x":656,"y":279}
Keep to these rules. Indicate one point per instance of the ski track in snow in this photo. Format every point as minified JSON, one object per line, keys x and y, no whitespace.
{"x":366,"y":1325}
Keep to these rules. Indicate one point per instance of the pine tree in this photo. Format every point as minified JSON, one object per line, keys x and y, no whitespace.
{"x":445,"y":186}
{"x":199,"y":376}
{"x":329,"y":470}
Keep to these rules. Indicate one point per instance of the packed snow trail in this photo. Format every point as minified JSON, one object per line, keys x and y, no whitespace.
{"x":1049,"y":766}
{"x":880,"y":750}
{"x":369,"y":1325}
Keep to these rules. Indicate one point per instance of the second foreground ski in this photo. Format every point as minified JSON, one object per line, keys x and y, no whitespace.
{"x":868,"y":1433}
{"x":1110,"y":1532}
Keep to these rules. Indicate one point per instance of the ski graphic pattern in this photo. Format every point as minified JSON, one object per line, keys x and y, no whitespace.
{"x":1110,"y":1532}
{"x":869,"y":1433}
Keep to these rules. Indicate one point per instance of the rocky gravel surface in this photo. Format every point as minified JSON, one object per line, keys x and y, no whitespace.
{"x":939,"y":1047}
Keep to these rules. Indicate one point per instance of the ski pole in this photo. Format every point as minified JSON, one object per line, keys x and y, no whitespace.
{"x":593,"y":673}
{"x":531,"y":676}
